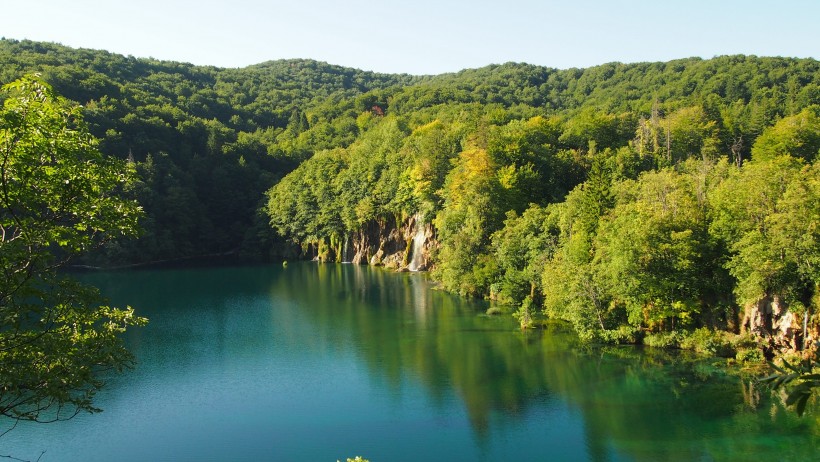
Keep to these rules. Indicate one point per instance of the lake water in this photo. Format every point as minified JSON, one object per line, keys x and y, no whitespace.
{"x":323,"y":362}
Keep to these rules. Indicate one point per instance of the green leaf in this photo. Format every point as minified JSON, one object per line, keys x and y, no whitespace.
{"x":801,"y":404}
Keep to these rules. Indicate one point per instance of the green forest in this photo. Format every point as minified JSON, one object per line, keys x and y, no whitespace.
{"x":658,"y":203}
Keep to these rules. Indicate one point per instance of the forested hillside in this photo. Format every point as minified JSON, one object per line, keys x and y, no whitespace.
{"x":206,"y":142}
{"x":646,"y":203}
{"x":637,"y":201}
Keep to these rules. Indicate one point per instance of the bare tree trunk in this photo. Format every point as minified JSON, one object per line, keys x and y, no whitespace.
{"x":736,"y":148}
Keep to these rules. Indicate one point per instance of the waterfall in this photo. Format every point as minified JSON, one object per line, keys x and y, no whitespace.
{"x":418,"y":247}
{"x":345,"y":257}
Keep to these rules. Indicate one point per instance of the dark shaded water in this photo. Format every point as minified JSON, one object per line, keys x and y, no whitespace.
{"x":322,"y":362}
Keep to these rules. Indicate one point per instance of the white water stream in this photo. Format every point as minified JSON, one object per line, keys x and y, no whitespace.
{"x":418,"y":247}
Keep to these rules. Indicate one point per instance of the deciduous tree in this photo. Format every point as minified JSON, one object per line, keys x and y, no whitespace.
{"x":58,"y":197}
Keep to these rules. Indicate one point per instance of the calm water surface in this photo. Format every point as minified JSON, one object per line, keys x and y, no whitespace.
{"x":322,"y":362}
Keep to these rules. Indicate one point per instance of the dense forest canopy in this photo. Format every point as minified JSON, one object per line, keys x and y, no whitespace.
{"x":207,"y":142}
{"x":636,"y":201}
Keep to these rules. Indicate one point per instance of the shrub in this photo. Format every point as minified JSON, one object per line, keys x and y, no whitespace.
{"x":709,"y":342}
{"x":624,"y":334}
{"x":664,"y":340}
{"x":750,"y":355}
{"x":524,"y":313}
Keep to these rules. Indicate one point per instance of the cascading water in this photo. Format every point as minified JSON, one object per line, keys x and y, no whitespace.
{"x":345,"y":251}
{"x":418,"y":247}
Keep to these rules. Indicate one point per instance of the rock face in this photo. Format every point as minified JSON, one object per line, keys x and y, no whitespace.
{"x":771,"y":319}
{"x":401,"y":246}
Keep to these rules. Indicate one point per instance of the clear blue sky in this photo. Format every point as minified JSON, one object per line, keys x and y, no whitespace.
{"x":421,"y":36}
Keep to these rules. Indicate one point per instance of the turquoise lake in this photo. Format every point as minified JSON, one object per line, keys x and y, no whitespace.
{"x":323,"y":362}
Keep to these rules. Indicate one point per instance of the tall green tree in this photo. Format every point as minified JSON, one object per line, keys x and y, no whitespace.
{"x":572,"y":285}
{"x":797,"y":136}
{"x":655,"y":251}
{"x":522,"y":248}
{"x":58,"y":198}
{"x":473,"y":210}
{"x":767,"y":213}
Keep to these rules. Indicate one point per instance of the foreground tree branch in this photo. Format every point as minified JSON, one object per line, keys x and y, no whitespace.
{"x":58,"y":198}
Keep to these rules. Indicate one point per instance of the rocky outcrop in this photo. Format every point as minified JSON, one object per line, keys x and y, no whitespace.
{"x":421,"y":243}
{"x":400,"y":246}
{"x":771,"y":319}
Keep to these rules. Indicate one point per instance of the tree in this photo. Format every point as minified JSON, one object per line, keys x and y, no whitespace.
{"x":474,"y":208}
{"x":797,"y":136}
{"x":58,"y":197}
{"x":655,"y":249}
{"x":765,"y":212}
{"x":571,"y":281}
{"x":683,"y":134}
{"x":522,"y":248}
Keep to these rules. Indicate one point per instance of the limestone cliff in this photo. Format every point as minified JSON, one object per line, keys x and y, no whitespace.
{"x":771,"y":319}
{"x":399,"y":245}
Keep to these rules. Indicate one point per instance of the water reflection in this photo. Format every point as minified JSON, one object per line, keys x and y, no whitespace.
{"x":636,"y":405}
{"x":321,"y":362}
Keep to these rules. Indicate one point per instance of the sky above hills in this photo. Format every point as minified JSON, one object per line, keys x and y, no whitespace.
{"x":422,"y":36}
